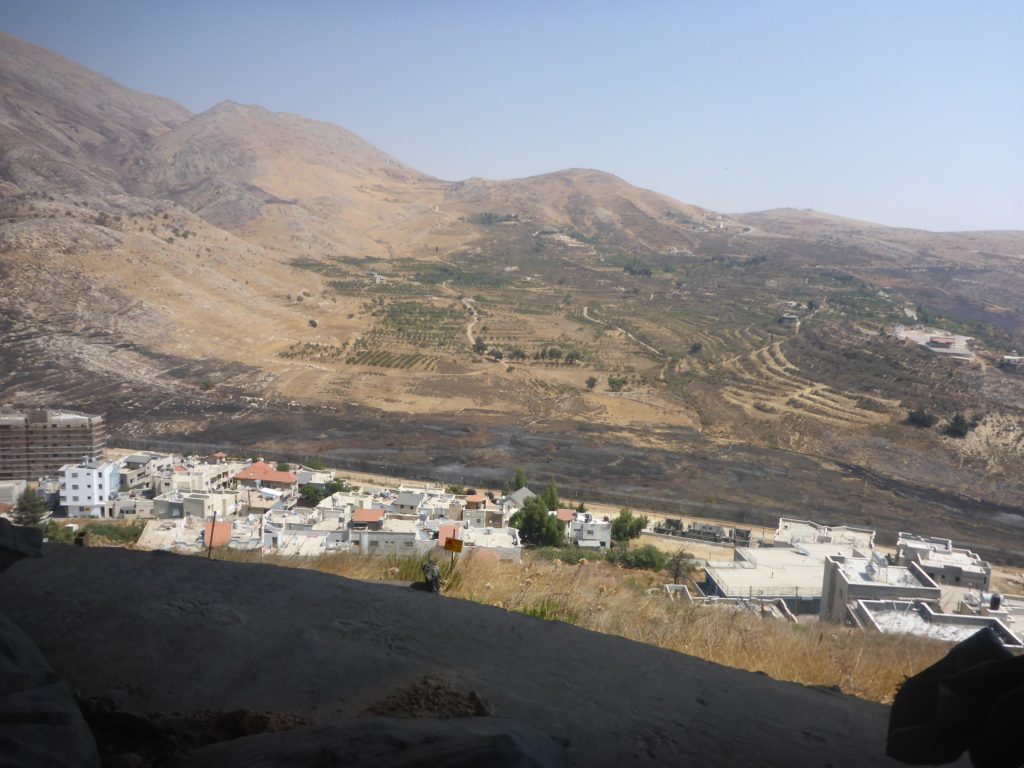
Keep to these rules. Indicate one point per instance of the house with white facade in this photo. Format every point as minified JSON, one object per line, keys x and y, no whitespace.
{"x":87,"y":488}
{"x":140,"y":470}
{"x":588,"y":532}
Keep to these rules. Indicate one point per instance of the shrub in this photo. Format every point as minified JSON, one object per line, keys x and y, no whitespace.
{"x":123,"y":534}
{"x":959,"y":426}
{"x":647,"y":558}
{"x":919,"y":417}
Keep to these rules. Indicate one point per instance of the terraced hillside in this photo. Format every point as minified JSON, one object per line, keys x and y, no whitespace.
{"x":256,"y":279}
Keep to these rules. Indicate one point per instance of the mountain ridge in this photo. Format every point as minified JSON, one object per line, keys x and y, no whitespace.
{"x":245,"y":272}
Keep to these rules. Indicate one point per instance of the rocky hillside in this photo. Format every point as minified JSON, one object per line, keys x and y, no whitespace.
{"x":246,"y":278}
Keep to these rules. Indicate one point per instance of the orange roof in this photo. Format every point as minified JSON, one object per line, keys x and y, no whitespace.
{"x":367,"y":515}
{"x":178,"y":468}
{"x":220,"y":532}
{"x":476,"y":498}
{"x":565,"y":515}
{"x":5,"y":507}
{"x":265,"y":474}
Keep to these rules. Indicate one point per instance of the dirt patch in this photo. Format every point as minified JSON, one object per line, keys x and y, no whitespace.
{"x":140,"y":741}
{"x":432,"y":698}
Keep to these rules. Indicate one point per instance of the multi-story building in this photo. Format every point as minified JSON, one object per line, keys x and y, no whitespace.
{"x":87,"y":488}
{"x":40,"y":442}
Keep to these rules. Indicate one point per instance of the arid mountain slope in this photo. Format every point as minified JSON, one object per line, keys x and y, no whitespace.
{"x":243,"y":277}
{"x":64,"y":128}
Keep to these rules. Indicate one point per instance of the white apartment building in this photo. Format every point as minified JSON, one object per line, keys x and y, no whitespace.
{"x":86,"y":488}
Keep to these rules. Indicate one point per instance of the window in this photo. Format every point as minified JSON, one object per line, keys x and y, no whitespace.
{"x":74,"y":487}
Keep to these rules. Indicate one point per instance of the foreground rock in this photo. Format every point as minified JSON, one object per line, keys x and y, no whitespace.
{"x":160,"y":632}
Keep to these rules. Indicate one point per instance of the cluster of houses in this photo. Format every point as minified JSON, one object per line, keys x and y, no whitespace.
{"x":927,"y":587}
{"x":191,"y":503}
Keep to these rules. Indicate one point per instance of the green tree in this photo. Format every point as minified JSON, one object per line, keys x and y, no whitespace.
{"x":332,"y":487}
{"x":284,"y":466}
{"x":550,"y":496}
{"x":455,"y":490}
{"x":682,"y":566}
{"x":627,"y":525}
{"x":312,"y":494}
{"x":581,"y":508}
{"x":520,"y":480}
{"x":29,"y":510}
{"x":479,"y":346}
{"x":616,"y":383}
{"x":316,"y":463}
{"x":536,"y":527}
{"x":591,"y":382}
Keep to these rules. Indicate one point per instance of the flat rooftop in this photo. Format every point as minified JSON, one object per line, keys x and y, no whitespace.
{"x":805,"y":532}
{"x":915,"y":618}
{"x":775,"y":571}
{"x":863,"y":570}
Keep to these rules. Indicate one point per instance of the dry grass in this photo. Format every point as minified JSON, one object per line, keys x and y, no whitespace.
{"x":630,"y":604}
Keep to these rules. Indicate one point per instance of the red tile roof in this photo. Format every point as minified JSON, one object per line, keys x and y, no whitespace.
{"x":367,"y":515}
{"x":476,"y":498}
{"x":565,"y":515}
{"x":266,"y":474}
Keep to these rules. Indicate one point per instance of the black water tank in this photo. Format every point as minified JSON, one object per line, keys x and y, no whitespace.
{"x":995,"y":601}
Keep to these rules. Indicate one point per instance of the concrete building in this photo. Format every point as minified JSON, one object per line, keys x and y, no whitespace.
{"x":87,"y":488}
{"x":262,"y":475}
{"x":197,"y":504}
{"x":791,"y":533}
{"x":849,"y":579}
{"x":588,"y":532}
{"x":793,"y":574}
{"x":10,"y":490}
{"x":408,"y":504}
{"x":196,"y":475}
{"x":140,"y":470}
{"x":916,"y":617}
{"x":944,"y":563}
{"x":40,"y":442}
{"x":316,"y":477}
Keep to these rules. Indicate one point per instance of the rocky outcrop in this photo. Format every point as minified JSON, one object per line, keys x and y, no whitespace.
{"x":162,"y":632}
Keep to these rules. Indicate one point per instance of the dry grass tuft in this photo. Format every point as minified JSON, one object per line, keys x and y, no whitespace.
{"x":631,"y":604}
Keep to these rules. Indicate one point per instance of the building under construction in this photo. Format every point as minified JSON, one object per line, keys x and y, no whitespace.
{"x":39,"y":442}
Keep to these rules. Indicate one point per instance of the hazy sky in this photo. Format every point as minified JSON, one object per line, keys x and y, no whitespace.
{"x":905,"y":113}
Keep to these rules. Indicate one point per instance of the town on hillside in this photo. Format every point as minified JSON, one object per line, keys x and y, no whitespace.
{"x":57,"y":472}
